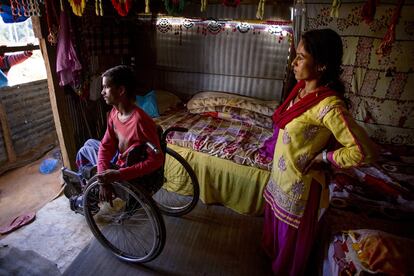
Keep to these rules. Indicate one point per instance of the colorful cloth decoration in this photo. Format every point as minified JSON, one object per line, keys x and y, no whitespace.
{"x":203,"y":5}
{"x":11,"y":14}
{"x":174,"y":6}
{"x":98,"y":8}
{"x":260,"y":9}
{"x":147,"y":7}
{"x":336,"y":4}
{"x":122,"y":6}
{"x":78,"y":6}
{"x":389,"y":38}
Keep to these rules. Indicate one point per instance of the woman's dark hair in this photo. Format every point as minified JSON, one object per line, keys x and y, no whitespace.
{"x":122,"y":75}
{"x":325,"y":46}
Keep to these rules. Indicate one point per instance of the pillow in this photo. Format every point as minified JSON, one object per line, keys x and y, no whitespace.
{"x":148,"y":103}
{"x":237,"y":114}
{"x":166,"y":100}
{"x":212,"y":99}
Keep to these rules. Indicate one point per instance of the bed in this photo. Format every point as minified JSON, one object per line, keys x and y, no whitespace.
{"x":371,"y":219}
{"x":223,"y":145}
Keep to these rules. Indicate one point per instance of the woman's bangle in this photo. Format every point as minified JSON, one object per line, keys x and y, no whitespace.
{"x":325,"y":156}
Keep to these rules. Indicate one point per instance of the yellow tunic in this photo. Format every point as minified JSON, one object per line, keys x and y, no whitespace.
{"x":302,"y":139}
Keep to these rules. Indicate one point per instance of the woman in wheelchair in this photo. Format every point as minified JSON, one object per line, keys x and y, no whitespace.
{"x":129,"y":130}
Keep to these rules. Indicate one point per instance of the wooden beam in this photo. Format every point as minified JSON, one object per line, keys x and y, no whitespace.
{"x":11,"y":154}
{"x":11,"y":49}
{"x":60,"y":111}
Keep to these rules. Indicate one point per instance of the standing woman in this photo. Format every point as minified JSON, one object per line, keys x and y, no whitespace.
{"x":313,"y":112}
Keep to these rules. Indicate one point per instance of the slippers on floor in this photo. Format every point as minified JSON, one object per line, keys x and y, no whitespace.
{"x":17,"y":223}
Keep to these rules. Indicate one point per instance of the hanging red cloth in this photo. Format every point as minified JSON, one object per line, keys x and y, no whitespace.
{"x":368,"y":10}
{"x":389,"y":38}
{"x":122,"y":6}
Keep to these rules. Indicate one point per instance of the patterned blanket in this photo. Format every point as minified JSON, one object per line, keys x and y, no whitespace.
{"x":233,"y":140}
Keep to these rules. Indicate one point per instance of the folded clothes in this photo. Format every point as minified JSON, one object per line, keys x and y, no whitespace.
{"x":17,"y":223}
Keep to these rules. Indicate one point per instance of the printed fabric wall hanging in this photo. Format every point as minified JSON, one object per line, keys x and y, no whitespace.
{"x":78,"y":6}
{"x":174,"y":6}
{"x":122,"y":6}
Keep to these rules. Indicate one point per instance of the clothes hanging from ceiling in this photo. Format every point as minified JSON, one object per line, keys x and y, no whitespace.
{"x":67,"y":63}
{"x":6,"y":13}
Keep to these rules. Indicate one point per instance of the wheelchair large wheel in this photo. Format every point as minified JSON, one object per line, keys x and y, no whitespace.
{"x":180,"y":191}
{"x":133,"y":228}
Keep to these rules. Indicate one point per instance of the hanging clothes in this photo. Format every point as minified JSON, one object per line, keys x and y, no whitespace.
{"x":7,"y":13}
{"x":67,"y":63}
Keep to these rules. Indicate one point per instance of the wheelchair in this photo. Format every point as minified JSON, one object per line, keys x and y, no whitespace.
{"x":132,"y":227}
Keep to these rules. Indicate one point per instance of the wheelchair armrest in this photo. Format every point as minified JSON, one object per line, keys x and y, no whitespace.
{"x":152,"y":147}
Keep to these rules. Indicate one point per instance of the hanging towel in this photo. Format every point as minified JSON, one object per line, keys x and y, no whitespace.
{"x":67,"y":64}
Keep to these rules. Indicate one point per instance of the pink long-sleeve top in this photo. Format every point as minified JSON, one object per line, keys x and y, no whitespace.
{"x":7,"y":61}
{"x":138,"y":129}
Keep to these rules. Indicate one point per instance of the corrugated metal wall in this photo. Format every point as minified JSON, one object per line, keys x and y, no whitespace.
{"x":29,"y":116}
{"x":192,"y":59}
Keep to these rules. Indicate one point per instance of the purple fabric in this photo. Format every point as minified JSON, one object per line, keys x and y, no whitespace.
{"x":268,"y":148}
{"x":288,"y":247}
{"x":88,"y":154}
{"x":67,"y":64}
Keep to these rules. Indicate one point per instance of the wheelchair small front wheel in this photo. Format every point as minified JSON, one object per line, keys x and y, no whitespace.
{"x":133,"y":228}
{"x":180,"y":191}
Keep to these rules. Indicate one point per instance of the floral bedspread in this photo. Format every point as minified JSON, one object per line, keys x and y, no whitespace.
{"x":233,"y":140}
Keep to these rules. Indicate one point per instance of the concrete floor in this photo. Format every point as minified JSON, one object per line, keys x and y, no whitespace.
{"x":57,"y":234}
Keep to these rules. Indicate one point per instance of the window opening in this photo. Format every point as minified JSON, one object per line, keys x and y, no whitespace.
{"x":13,"y":38}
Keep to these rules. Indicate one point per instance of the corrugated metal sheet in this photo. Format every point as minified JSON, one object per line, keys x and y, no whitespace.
{"x":252,"y":63}
{"x":272,"y":11}
{"x":29,"y":116}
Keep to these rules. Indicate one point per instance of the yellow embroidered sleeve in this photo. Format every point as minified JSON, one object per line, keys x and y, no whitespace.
{"x":358,"y":149}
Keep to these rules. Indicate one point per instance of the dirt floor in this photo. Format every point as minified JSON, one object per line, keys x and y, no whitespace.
{"x":25,"y":189}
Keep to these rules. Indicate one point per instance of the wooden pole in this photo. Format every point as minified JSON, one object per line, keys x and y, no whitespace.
{"x":60,"y":111}
{"x":11,"y":154}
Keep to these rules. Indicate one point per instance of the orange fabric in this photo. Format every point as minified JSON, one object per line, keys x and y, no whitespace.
{"x":385,"y":253}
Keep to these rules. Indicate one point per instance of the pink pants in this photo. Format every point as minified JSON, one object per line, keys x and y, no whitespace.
{"x":288,"y":247}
